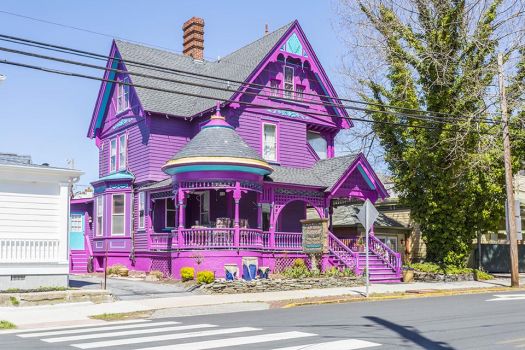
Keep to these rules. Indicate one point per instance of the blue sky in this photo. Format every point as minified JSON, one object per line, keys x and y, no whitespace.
{"x":47,"y":116}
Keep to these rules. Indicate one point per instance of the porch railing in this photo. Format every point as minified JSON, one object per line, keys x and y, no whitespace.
{"x":29,"y":250}
{"x":289,"y":240}
{"x":163,"y":241}
{"x":383,"y":251}
{"x":207,"y":238}
{"x":346,"y":255}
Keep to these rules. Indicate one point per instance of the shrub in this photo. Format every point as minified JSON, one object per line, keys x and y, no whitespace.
{"x":483,"y":276}
{"x":298,"y":263}
{"x":205,"y":277}
{"x":332,"y":272}
{"x":14,"y":301}
{"x":157,"y":273}
{"x":118,"y":269}
{"x":187,"y":274}
{"x":445,"y":269}
{"x":6,"y":325}
{"x":297,"y":270}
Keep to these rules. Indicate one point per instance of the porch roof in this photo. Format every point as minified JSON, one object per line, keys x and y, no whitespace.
{"x":325,"y":173}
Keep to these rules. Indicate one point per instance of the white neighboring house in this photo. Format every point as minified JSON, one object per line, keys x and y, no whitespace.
{"x":34,"y":219}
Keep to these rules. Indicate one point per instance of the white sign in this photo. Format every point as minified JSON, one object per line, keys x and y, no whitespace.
{"x":367,"y":215}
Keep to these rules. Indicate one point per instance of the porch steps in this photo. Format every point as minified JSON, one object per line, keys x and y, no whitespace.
{"x":78,"y":261}
{"x":380,"y":272}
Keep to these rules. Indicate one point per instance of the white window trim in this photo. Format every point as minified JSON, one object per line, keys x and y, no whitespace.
{"x":99,"y":213}
{"x":124,"y":137}
{"x":81,"y":217}
{"x":166,"y":213}
{"x":292,"y":83}
{"x":263,"y":139}
{"x":308,"y":141}
{"x":142,"y":207}
{"x":121,"y":94}
{"x":111,"y":169}
{"x":123,"y":215}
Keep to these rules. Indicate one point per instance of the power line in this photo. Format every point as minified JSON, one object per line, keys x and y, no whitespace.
{"x":57,"y":59}
{"x":93,"y":55}
{"x":73,"y":74}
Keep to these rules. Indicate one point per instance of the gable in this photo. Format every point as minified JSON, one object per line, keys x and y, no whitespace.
{"x":294,"y":50}
{"x":106,"y":117}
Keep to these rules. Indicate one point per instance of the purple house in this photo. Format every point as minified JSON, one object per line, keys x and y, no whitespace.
{"x":186,"y":180}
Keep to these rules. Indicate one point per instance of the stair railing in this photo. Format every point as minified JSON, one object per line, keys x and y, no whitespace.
{"x":343,"y":253}
{"x":386,"y":254}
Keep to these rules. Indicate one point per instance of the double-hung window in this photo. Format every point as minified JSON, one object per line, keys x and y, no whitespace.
{"x":122,"y":153}
{"x":123,"y":95}
{"x":100,"y":217}
{"x":117,"y":215}
{"x":113,"y":155}
{"x":170,"y":212}
{"x":269,"y":142}
{"x":75,"y":224}
{"x":288,"y":82}
{"x":299,"y":93}
{"x":142,"y":209}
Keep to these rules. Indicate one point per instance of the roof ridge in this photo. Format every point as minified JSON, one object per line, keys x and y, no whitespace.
{"x":159,"y":49}
{"x":257,"y":40}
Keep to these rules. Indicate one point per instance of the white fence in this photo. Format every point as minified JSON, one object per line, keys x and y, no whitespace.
{"x":28,"y":250}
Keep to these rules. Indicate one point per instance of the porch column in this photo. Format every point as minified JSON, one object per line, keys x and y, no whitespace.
{"x":237,"y":194}
{"x":259,"y":211}
{"x":272,"y":226}
{"x":181,"y":197}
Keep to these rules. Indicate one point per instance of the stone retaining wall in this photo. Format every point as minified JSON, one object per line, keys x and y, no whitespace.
{"x":438,"y":277}
{"x":276,"y":285}
{"x":47,"y":298}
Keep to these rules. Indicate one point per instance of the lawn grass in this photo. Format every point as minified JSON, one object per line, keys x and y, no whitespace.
{"x":6,"y":325}
{"x":122,"y":316}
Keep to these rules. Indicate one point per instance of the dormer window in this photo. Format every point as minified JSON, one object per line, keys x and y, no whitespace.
{"x":122,"y":95}
{"x":118,"y":154}
{"x":288,"y":82}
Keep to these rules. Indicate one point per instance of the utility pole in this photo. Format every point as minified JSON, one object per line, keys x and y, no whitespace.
{"x":511,"y":208}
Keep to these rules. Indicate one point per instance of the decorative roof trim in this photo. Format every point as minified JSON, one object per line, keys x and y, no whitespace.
{"x":217,"y":161}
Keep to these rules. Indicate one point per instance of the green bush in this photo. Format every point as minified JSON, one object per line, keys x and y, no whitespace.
{"x":187,"y":274}
{"x":298,"y":263}
{"x":6,"y":325}
{"x":205,"y":277}
{"x":297,"y":270}
{"x":118,"y":269}
{"x":445,"y":269}
{"x":483,"y":276}
{"x":14,"y":301}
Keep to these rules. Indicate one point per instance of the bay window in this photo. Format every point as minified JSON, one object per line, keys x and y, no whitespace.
{"x":122,"y":153}
{"x":269,"y":142}
{"x":100,"y":216}
{"x":118,"y":215}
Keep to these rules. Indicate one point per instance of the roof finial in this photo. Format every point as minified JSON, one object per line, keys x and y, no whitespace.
{"x":266,"y":29}
{"x":218,"y":108}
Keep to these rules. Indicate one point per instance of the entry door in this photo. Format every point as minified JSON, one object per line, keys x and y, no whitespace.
{"x":76,"y":232}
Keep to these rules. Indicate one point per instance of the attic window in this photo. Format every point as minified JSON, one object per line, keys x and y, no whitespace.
{"x":274,"y":88}
{"x":123,"y":95}
{"x":288,"y":82}
{"x":299,"y":92}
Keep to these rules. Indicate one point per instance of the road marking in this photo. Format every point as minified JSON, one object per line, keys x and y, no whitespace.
{"x":347,"y":344}
{"x":97,"y":329}
{"x":79,"y":326}
{"x":163,"y":337}
{"x":223,"y":343}
{"x":508,"y":297}
{"x":123,"y":333}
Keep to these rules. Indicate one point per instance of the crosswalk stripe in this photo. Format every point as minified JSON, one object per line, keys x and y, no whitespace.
{"x":346,"y":344}
{"x":97,"y":329}
{"x":163,"y":337}
{"x":223,"y":343}
{"x":29,"y":330}
{"x":123,"y":333}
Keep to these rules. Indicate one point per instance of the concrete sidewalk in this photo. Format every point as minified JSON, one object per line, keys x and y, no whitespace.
{"x":70,"y":314}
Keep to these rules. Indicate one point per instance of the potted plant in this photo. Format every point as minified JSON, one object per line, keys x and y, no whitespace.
{"x":360,"y":245}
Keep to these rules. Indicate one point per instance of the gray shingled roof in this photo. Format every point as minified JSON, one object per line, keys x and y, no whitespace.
{"x":346,"y":215}
{"x":15,"y":159}
{"x":217,"y":142}
{"x":156,"y":185}
{"x":324,"y":173}
{"x":236,"y":66}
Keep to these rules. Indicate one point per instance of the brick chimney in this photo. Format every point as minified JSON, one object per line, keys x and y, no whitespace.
{"x":193,"y":45}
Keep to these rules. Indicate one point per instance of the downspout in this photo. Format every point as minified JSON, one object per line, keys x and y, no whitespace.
{"x":132,"y":228}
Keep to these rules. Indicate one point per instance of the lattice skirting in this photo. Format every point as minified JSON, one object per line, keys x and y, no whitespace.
{"x":163,"y":265}
{"x":283,"y":263}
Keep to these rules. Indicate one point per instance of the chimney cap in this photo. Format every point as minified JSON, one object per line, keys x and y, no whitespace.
{"x":193,"y":21}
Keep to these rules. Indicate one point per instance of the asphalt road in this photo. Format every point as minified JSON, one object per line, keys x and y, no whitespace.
{"x":456,"y":322}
